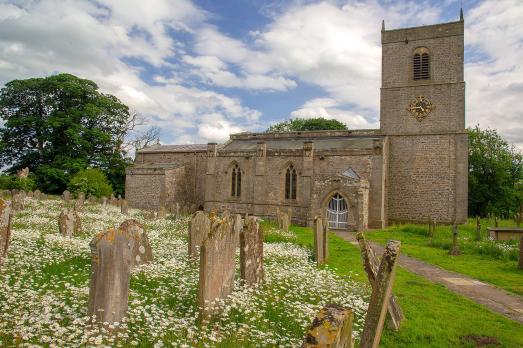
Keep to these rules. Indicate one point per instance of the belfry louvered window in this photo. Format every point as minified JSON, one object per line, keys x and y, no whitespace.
{"x":290,"y":183}
{"x":421,"y":64}
{"x":236,"y":181}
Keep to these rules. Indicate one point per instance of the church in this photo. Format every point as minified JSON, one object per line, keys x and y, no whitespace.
{"x":412,"y":169}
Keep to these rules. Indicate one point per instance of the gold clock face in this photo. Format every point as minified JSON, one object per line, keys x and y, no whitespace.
{"x":420,"y":107}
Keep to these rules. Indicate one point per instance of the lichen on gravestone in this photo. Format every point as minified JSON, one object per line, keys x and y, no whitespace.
{"x":332,"y":327}
{"x":69,"y":223}
{"x":251,"y":252}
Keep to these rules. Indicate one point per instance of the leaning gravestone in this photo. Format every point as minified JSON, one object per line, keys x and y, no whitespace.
{"x":381,"y":293}
{"x":199,"y":228}
{"x":162,"y":212}
{"x":321,"y":246}
{"x":124,"y":207}
{"x":141,"y":251}
{"x":66,"y":196}
{"x":5,"y":229}
{"x":332,"y":327}
{"x":69,"y":223}
{"x":111,"y":262}
{"x":251,"y":252}
{"x":371,"y":266}
{"x":217,"y":266}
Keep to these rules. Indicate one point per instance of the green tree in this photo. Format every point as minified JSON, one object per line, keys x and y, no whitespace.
{"x":306,"y":124}
{"x":495,"y":174}
{"x":59,"y":125}
{"x":92,"y":182}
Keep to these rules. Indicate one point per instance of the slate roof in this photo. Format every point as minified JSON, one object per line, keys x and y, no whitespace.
{"x":174,"y":148}
{"x":324,"y":143}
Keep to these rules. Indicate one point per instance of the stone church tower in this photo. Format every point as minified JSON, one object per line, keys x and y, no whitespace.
{"x":423,"y":117}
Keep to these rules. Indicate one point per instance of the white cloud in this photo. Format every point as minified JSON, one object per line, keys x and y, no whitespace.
{"x":494,"y":76}
{"x":93,"y":40}
{"x":216,"y":129}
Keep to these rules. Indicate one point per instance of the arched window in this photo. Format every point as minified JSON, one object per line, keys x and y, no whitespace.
{"x":236,"y":181}
{"x":421,"y":64}
{"x":290,"y":183}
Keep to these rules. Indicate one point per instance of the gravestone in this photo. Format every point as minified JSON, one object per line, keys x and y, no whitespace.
{"x":69,"y":223}
{"x":104,"y":201}
{"x":371,"y":266}
{"x":478,"y":228}
{"x":79,"y":203}
{"x":199,"y":228}
{"x":381,"y":293}
{"x":111,"y":262}
{"x":496,"y":222}
{"x":518,"y":218}
{"x":162,"y":212}
{"x":17,"y":202}
{"x":177,"y":216}
{"x":332,"y":327}
{"x":454,"y":249}
{"x":124,"y":207}
{"x":66,"y":196}
{"x":141,"y":251}
{"x":320,"y":241}
{"x":38,"y":194}
{"x":285,"y":223}
{"x":217,"y":266}
{"x":5,"y":228}
{"x":22,"y":173}
{"x":251,"y":252}
{"x":30,"y":194}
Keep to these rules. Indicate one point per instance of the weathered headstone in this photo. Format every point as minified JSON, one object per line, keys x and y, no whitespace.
{"x":124,"y":207}
{"x":217,"y":266}
{"x":320,"y":241}
{"x":371,"y":266}
{"x":17,"y":202}
{"x":162,"y":212}
{"x":332,"y":327}
{"x":79,"y":203}
{"x":5,"y":228}
{"x":23,"y":194}
{"x":520,"y":263}
{"x":379,"y":300}
{"x":178,"y":213}
{"x":478,"y":228}
{"x":112,"y":199}
{"x":30,"y":194}
{"x":66,"y":196}
{"x":38,"y":194}
{"x":111,"y":262}
{"x":141,"y":251}
{"x":104,"y":201}
{"x":285,"y":223}
{"x":199,"y":228}
{"x":251,"y":252}
{"x":69,"y":223}
{"x":454,"y":249}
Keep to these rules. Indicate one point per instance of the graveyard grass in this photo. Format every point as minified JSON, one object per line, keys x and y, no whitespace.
{"x":435,"y":316}
{"x":489,"y":261}
{"x":44,"y":289}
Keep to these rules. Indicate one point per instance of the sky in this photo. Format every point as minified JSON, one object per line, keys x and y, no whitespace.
{"x":202,"y":69}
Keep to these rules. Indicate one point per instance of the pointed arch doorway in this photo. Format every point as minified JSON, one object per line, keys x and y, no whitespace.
{"x":337,"y":212}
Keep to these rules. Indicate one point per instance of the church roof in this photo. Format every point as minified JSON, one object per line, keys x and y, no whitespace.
{"x":174,"y":148}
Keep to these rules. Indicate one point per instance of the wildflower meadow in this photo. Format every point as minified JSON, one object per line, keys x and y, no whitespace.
{"x":44,"y":289}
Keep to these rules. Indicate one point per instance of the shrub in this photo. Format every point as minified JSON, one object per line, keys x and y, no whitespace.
{"x":11,"y":182}
{"x":91,"y":181}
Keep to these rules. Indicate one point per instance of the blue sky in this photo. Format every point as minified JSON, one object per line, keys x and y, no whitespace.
{"x":202,"y":69}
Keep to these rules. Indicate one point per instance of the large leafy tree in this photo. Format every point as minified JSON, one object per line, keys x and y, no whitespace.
{"x":495,"y":174}
{"x":306,"y":124}
{"x":59,"y":125}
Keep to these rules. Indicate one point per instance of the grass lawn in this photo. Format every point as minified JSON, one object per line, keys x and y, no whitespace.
{"x":486,"y":263}
{"x":435,"y":317}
